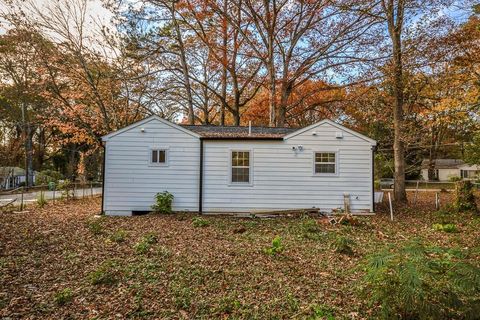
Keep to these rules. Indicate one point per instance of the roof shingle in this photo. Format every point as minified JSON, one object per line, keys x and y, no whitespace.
{"x":209,"y":131}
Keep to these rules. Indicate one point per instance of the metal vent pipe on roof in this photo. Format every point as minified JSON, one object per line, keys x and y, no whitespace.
{"x":249,"y":128}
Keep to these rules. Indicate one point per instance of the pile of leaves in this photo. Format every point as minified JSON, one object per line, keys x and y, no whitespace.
{"x":60,"y":261}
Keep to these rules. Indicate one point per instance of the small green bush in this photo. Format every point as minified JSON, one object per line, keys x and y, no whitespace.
{"x":419,"y":282}
{"x":67,"y":189}
{"x":321,"y":312}
{"x":276,"y":247}
{"x":63,"y":297}
{"x":41,"y":200}
{"x":343,"y":245}
{"x":46,"y":176}
{"x":447,"y":227}
{"x":454,"y":178}
{"x":163,"y":202}
{"x":200,"y":222}
{"x":118,"y":236}
{"x":95,"y":226}
{"x":106,"y":274}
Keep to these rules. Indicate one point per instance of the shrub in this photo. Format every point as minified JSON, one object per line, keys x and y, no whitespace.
{"x":343,"y":245}
{"x":454,"y":178}
{"x":447,"y":227}
{"x":41,"y":200}
{"x":67,"y":188}
{"x":464,"y":197}
{"x":47,"y":176}
{"x":105,"y":274}
{"x":163,"y":202}
{"x":419,"y":282}
{"x":63,"y":297}
{"x":118,"y":236}
{"x":276,"y":247}
{"x":200,"y":222}
{"x":95,"y":226}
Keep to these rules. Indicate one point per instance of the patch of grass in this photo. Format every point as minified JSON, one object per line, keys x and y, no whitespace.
{"x":321,"y":312}
{"x":118,"y":236}
{"x":447,"y":227}
{"x":343,"y":245}
{"x":105,"y":274}
{"x":63,"y":297}
{"x":145,"y":244}
{"x":276,"y":247}
{"x":182,"y":295}
{"x":199,"y":222}
{"x":309,"y":229}
{"x":94,"y":225}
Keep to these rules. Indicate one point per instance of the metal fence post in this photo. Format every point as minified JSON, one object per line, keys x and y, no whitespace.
{"x":21,"y":202}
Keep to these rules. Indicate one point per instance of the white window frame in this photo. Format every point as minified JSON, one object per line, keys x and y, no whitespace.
{"x":158,"y":164}
{"x":336,"y":152}
{"x":250,"y":171}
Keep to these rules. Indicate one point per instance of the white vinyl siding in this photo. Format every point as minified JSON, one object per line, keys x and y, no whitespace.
{"x":131,"y":181}
{"x":283,"y":176}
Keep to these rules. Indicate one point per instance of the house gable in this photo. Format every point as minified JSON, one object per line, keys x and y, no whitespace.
{"x":145,"y":121}
{"x":333,"y":124}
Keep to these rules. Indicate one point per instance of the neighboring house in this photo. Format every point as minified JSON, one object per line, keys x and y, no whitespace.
{"x":12,"y":177}
{"x":444,"y":169}
{"x":228,"y":169}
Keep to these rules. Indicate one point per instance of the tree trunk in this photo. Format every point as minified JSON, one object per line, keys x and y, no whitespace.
{"x":183,"y":62}
{"x":224,"y":63}
{"x":395,"y":25}
{"x":286,"y":91}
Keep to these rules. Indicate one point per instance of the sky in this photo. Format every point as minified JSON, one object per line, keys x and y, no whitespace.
{"x":95,"y":11}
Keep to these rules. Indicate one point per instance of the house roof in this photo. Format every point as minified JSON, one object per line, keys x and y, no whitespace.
{"x":8,"y":171}
{"x":209,"y":131}
{"x":443,"y":163}
{"x":237,"y":132}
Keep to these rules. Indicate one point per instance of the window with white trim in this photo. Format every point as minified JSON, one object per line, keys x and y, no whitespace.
{"x":325,"y":162}
{"x":240,"y":167}
{"x":158,"y":156}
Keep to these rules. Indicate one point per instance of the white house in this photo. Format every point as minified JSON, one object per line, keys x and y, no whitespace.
{"x":444,"y":169}
{"x":13,"y":177}
{"x":237,"y":169}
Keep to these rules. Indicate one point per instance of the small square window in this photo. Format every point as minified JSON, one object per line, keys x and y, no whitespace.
{"x":325,"y":162}
{"x":158,"y":156}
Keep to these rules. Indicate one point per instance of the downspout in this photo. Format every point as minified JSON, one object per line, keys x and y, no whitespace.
{"x":200,"y":182}
{"x":374,"y":148}
{"x":103,"y":177}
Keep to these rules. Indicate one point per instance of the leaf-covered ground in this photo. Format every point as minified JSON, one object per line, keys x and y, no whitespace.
{"x":62,"y":262}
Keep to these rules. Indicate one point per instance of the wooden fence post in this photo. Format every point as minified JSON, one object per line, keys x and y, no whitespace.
{"x":416,"y":193}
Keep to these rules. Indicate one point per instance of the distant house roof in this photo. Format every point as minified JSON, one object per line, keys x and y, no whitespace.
{"x":443,"y":163}
{"x":209,"y":131}
{"x":8,"y":171}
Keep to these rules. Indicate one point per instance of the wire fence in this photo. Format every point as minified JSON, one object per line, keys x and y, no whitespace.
{"x":41,"y":194}
{"x":422,"y":185}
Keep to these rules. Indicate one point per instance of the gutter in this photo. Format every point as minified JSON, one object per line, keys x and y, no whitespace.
{"x":103,"y":177}
{"x":200,"y":186}
{"x":374,"y":148}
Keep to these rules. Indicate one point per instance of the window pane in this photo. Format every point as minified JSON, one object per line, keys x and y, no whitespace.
{"x":161,"y":156}
{"x":154,"y":156}
{"x":324,"y":157}
{"x":324,"y":168}
{"x":241,"y":175}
